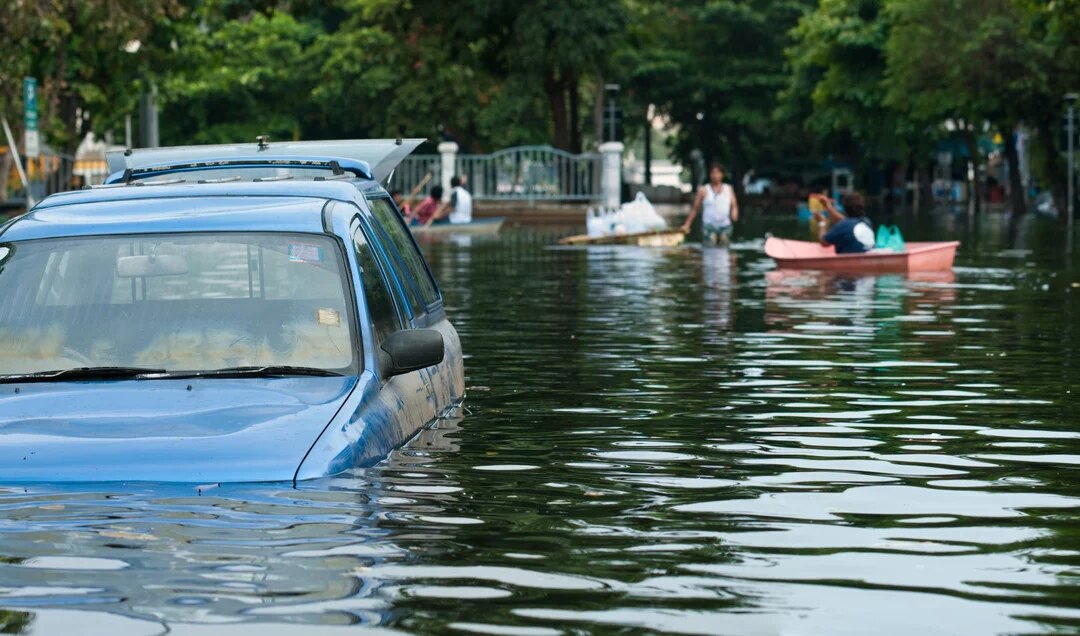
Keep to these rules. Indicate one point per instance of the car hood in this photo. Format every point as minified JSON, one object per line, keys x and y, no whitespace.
{"x":204,"y":430}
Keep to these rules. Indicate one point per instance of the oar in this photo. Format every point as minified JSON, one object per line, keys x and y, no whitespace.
{"x":415,"y":191}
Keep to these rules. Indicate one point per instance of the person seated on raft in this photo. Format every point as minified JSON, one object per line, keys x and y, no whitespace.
{"x":403,"y":205}
{"x":425,"y":212}
{"x":853,"y":234}
{"x":459,"y":208}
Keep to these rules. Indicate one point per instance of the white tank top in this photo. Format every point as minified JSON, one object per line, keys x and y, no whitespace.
{"x":462,"y":201}
{"x":716,"y":208}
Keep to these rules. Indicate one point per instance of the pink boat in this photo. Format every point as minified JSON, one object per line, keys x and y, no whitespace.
{"x":916,"y":257}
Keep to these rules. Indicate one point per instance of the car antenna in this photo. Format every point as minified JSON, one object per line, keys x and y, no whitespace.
{"x":264,"y":141}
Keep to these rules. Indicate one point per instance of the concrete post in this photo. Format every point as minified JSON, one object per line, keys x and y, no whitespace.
{"x":611,"y":173}
{"x":448,"y":150}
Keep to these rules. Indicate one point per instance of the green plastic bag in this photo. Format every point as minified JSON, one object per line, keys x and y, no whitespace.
{"x":889,"y":237}
{"x":896,"y":240}
{"x":882,"y":239}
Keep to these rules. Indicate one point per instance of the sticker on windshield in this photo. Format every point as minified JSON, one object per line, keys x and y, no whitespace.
{"x":305,"y":253}
{"x":329,"y":317}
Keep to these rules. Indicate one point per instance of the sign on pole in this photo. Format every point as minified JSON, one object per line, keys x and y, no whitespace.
{"x":32,"y":142}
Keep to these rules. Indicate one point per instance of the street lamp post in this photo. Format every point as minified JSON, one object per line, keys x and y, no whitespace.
{"x":612,"y":92}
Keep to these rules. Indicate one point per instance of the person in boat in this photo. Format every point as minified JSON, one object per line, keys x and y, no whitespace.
{"x":851,"y":234}
{"x":819,"y":203}
{"x":459,"y":208}
{"x":424,"y":213}
{"x":720,"y":209}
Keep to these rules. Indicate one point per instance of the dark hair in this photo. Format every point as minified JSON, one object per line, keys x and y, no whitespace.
{"x":436,"y":192}
{"x":854,"y":205}
{"x":716,"y":165}
{"x":395,"y":193}
{"x":455,"y":181}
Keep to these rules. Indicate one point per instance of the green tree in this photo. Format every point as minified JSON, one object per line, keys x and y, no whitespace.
{"x":225,"y":79}
{"x":835,"y":87}
{"x":715,"y":69}
{"x":981,"y":68}
{"x":488,"y":72}
{"x":1055,"y":24}
{"x":79,"y":51}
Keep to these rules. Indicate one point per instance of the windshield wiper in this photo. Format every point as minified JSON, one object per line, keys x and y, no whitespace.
{"x":258,"y":371}
{"x":83,"y":373}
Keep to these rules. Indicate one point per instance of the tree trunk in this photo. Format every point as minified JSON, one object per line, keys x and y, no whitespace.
{"x":1016,"y":187}
{"x":572,"y":82}
{"x":736,"y":164}
{"x":1052,"y":163}
{"x":5,"y":169}
{"x":67,"y":104}
{"x":927,"y":193}
{"x":916,"y":192}
{"x":598,"y":112}
{"x":556,"y":92}
{"x":976,"y":174}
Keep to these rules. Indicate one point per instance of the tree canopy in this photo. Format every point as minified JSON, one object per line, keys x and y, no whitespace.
{"x":752,"y":83}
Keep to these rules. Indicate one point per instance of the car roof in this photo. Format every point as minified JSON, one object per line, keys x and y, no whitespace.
{"x":281,"y":206}
{"x":380,"y":155}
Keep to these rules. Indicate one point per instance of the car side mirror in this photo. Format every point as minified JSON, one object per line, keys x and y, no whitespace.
{"x":413,"y":349}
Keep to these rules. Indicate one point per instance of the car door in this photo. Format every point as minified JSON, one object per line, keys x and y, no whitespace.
{"x":422,"y":296}
{"x":408,"y":397}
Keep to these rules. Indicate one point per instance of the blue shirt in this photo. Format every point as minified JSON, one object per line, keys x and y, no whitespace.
{"x":842,"y":236}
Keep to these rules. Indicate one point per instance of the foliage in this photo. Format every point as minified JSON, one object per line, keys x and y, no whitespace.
{"x":746,"y":82}
{"x":715,"y":69}
{"x":229,"y":80}
{"x":838,"y":60}
{"x":77,"y":50}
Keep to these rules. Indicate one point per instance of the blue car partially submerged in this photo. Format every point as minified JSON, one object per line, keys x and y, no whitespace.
{"x":230,"y":331}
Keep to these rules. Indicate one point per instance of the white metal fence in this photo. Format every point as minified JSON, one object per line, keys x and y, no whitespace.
{"x":525,"y":173}
{"x":416,"y":170}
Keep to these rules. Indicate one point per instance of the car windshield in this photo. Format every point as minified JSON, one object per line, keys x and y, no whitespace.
{"x":175,"y":303}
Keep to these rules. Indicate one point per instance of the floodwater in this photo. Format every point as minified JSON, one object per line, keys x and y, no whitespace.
{"x":680,"y":440}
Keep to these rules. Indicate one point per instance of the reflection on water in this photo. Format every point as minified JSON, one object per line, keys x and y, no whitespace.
{"x":680,"y":440}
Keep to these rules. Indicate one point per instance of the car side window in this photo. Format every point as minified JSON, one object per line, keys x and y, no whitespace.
{"x":412,"y":259}
{"x":384,"y":316}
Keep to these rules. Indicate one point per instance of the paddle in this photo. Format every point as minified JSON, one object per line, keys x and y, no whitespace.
{"x":407,"y":201}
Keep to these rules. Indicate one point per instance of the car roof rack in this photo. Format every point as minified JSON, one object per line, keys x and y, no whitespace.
{"x":158,"y":183}
{"x":221,"y":180}
{"x":353,"y":168}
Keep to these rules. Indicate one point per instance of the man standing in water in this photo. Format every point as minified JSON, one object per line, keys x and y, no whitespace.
{"x":720,"y":208}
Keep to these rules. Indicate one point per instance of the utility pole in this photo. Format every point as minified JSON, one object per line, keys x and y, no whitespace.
{"x":148,"y":118}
